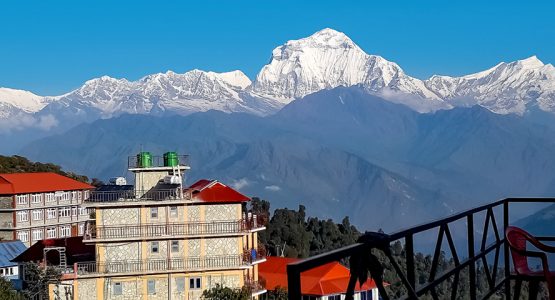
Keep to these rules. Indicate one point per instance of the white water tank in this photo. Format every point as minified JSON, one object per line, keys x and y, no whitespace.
{"x":118,"y":181}
{"x":172,"y":179}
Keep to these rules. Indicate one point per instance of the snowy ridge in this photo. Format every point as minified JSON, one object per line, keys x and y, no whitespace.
{"x":324,"y":60}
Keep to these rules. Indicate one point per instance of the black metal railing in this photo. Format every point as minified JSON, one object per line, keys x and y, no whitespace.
{"x":138,"y":195}
{"x":148,"y":231}
{"x":492,"y":241}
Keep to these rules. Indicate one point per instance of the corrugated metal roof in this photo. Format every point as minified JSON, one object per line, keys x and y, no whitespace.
{"x":9,"y":250}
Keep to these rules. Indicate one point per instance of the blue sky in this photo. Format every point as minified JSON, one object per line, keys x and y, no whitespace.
{"x":51,"y":47}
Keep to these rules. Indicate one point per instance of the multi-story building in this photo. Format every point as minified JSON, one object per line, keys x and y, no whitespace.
{"x":159,"y":240}
{"x":36,"y":206}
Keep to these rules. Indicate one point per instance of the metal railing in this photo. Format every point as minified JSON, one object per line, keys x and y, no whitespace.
{"x":254,"y":255}
{"x":498,"y":275}
{"x":255,"y":286}
{"x":138,"y":195}
{"x":160,"y":265}
{"x":156,"y":161}
{"x":170,"y":229}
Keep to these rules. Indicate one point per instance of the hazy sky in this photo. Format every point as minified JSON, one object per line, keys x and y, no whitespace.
{"x":51,"y":47}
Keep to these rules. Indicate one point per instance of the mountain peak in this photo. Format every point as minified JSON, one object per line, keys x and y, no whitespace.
{"x":328,"y":37}
{"x":531,"y":62}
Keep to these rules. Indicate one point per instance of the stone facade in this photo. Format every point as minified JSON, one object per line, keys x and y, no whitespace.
{"x":193,"y":247}
{"x":121,"y":251}
{"x":86,"y":289}
{"x":193,"y":213}
{"x":222,"y":212}
{"x":130,"y":289}
{"x":120,"y":216}
{"x":222,"y":246}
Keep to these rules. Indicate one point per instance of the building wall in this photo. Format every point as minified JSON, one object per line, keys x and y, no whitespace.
{"x":119,"y":216}
{"x":222,"y":212}
{"x":137,"y":287}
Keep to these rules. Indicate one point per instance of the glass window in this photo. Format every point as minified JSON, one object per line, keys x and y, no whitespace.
{"x":194,"y":283}
{"x":117,"y":289}
{"x":37,"y":214}
{"x":22,"y":216}
{"x":65,"y":230}
{"x":151,"y":287}
{"x":74,"y":211}
{"x":81,"y":229}
{"x":180,"y":284}
{"x":51,"y":232}
{"x":37,"y":234}
{"x":173,"y":211}
{"x":154,"y":212}
{"x":175,"y":246}
{"x":35,"y":198}
{"x":154,"y":247}
{"x":51,"y":213}
{"x":49,"y":197}
{"x":23,"y":236}
{"x":64,"y":211}
{"x":21,"y":199}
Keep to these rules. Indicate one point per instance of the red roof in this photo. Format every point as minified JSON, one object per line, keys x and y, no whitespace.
{"x":328,"y":279}
{"x":19,"y":183}
{"x":216,"y":192}
{"x":76,"y":251}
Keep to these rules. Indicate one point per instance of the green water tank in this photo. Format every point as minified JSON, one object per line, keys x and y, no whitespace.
{"x":144,"y":160}
{"x":171,"y":159}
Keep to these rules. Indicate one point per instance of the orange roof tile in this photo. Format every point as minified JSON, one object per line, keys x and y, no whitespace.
{"x":20,"y":183}
{"x":328,"y":279}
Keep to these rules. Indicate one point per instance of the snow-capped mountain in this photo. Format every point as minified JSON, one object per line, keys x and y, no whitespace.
{"x":505,"y":88}
{"x":324,"y":60}
{"x":14,"y":101}
{"x":192,"y":91}
{"x":328,"y":59}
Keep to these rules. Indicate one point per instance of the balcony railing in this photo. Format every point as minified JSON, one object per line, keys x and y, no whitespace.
{"x":160,"y":265}
{"x":477,"y":250}
{"x":254,"y":255}
{"x":138,"y":196}
{"x":147,"y":231}
{"x":255,"y":287}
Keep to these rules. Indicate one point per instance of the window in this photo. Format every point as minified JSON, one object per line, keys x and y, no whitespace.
{"x":334,"y":297}
{"x":86,"y":194}
{"x":154,"y":212}
{"x":154,"y":248}
{"x":37,"y":214}
{"x":194,"y":283}
{"x":51,"y":232}
{"x":74,"y":195}
{"x":49,"y":197}
{"x":74,"y":211}
{"x":37,"y":234}
{"x":82,"y":211}
{"x":58,"y":196}
{"x":180,"y":284}
{"x":175,"y":246}
{"x":79,"y":195}
{"x":81,"y":229}
{"x":117,"y":289}
{"x":173,"y":211}
{"x":66,"y":196}
{"x":64,"y":211}
{"x":23,"y":236}
{"x":51,"y":213}
{"x":151,"y":287}
{"x":36,"y":198}
{"x":366,"y":295}
{"x":65,"y":230}
{"x":22,"y":216}
{"x":22,"y":199}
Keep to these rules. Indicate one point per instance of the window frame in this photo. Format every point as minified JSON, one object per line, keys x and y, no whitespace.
{"x":180,"y":284}
{"x":195,"y":283}
{"x":154,"y":212}
{"x":23,"y":216}
{"x":174,"y":243}
{"x":38,"y":214}
{"x":154,"y":247}
{"x":51,"y":213}
{"x":117,"y":289}
{"x":174,"y":212}
{"x":49,"y":230}
{"x":151,"y":287}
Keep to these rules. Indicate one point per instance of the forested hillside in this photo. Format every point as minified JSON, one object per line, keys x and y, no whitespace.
{"x":20,"y":164}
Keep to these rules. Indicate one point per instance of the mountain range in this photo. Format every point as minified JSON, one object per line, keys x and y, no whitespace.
{"x":339,"y":152}
{"x":324,"y":60}
{"x":323,"y":124}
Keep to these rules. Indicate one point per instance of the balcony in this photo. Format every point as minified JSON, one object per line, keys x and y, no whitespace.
{"x":154,"y":266}
{"x":108,"y":198}
{"x":171,"y":230}
{"x":254,"y":256}
{"x":484,"y":250}
{"x":255,"y":287}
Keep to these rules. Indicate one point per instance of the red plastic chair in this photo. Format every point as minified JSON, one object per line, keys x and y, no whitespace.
{"x":517,"y":239}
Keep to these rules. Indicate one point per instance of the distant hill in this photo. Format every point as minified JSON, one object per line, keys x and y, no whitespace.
{"x":20,"y":164}
{"x":338,"y":152}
